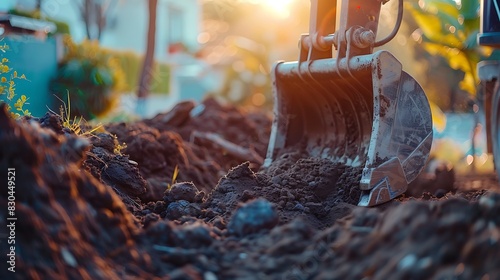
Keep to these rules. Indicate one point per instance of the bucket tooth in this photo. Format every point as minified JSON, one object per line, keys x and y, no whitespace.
{"x":390,"y":182}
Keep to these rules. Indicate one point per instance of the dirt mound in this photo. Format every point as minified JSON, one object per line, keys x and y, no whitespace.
{"x":68,"y":224}
{"x":414,"y":240}
{"x":198,"y":140}
{"x":87,"y":209}
{"x":315,"y":189}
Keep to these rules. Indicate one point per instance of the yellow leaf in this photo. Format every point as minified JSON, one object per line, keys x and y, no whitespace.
{"x":444,"y":7}
{"x":11,"y":94}
{"x":174,"y":175}
{"x":468,"y":83}
{"x":434,"y":28}
{"x":438,"y":117}
{"x":457,"y":59}
{"x":19,"y":104}
{"x":15,"y":74}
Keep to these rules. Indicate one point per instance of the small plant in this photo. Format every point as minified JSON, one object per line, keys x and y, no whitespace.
{"x":117,"y":150}
{"x":8,"y":78}
{"x":174,"y":177}
{"x":75,"y":124}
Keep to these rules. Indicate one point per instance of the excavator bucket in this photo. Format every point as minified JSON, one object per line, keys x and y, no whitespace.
{"x":362,"y":111}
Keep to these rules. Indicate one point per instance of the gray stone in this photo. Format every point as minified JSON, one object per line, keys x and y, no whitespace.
{"x":252,"y":217}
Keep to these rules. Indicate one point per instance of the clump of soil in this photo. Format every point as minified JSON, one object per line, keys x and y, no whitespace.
{"x":88,"y":209}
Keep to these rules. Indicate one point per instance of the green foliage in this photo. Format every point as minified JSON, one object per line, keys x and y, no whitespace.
{"x":62,"y":27}
{"x":450,"y":30}
{"x":89,"y":64}
{"x":8,"y":79}
{"x":95,"y":76}
{"x":91,"y":75}
{"x":131,"y":64}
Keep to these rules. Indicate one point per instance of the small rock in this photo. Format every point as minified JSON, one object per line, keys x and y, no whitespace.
{"x":179,"y":114}
{"x":219,"y":222}
{"x":193,"y":236}
{"x":182,"y":191}
{"x":247,"y":195}
{"x":178,"y":209}
{"x":52,"y":121}
{"x":408,"y":261}
{"x":161,"y":232}
{"x":197,"y":110}
{"x":150,"y":219}
{"x":488,"y":202}
{"x":68,"y":258}
{"x":209,"y":275}
{"x":126,"y":177}
{"x":104,"y":140}
{"x":159,"y":207}
{"x":253,"y":217}
{"x":199,"y":197}
{"x":299,"y":207}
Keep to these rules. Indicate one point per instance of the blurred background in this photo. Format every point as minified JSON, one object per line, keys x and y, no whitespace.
{"x":116,"y":60}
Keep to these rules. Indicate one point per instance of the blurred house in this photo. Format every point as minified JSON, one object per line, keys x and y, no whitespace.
{"x":177,"y":28}
{"x":127,"y":22}
{"x":11,"y":24}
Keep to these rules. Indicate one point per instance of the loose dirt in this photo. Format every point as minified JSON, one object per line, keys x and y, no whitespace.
{"x":182,"y":196}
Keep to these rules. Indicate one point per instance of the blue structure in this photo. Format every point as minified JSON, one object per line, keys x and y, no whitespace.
{"x":37,"y":59}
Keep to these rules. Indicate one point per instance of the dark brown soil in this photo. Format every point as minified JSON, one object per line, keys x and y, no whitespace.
{"x":87,"y":209}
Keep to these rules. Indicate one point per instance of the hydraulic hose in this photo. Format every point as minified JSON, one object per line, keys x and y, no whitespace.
{"x":396,"y":27}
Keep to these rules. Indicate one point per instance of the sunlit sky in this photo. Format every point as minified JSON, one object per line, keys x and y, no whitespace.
{"x":280,"y":7}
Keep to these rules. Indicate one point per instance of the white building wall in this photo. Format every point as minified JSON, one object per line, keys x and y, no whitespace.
{"x":127,"y":26}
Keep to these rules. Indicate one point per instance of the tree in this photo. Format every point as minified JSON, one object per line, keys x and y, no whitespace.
{"x":147,"y":66}
{"x":94,"y":14}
